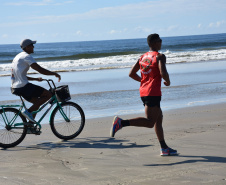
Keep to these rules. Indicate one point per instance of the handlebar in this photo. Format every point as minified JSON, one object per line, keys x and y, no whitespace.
{"x":48,"y":81}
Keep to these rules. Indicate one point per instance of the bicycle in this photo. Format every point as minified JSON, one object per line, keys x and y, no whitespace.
{"x":66,"y":120}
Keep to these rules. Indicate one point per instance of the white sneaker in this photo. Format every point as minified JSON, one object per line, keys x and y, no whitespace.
{"x":28,"y":115}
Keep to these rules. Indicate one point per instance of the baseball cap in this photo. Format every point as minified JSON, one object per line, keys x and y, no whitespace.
{"x":26,"y":42}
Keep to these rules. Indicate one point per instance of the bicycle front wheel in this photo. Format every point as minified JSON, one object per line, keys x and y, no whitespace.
{"x":71,"y":126}
{"x":11,"y":134}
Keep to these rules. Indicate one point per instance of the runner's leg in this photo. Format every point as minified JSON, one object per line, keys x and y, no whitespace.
{"x":159,"y":128}
{"x":152,"y":115}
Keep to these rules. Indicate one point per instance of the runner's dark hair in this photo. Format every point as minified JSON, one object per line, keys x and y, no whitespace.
{"x":152,"y":38}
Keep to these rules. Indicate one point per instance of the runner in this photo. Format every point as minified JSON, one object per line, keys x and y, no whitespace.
{"x":152,"y":66}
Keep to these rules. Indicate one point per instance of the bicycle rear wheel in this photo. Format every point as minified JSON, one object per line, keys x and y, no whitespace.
{"x":67,"y":129}
{"x":11,"y":135}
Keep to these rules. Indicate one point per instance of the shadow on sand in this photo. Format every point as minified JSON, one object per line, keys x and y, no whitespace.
{"x":193,"y":159}
{"x":91,"y":142}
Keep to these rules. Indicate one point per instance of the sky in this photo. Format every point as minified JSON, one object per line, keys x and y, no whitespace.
{"x":89,"y":20}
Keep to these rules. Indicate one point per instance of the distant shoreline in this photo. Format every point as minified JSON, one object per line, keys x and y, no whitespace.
{"x":210,"y":34}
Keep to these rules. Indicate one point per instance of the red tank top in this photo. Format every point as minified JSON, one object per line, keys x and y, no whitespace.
{"x":150,"y":75}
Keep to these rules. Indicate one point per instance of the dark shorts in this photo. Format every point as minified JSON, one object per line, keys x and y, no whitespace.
{"x":29,"y":91}
{"x":151,"y":101}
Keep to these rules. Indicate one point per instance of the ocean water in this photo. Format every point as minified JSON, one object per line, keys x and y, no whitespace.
{"x":97,"y":72}
{"x":113,"y":54}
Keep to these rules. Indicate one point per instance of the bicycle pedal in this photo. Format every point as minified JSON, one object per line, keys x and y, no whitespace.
{"x":29,"y":131}
{"x":38,"y":132}
{"x":33,"y":130}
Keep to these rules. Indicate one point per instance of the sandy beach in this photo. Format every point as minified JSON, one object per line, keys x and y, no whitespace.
{"x":131,"y":158}
{"x":194,"y":124}
{"x":194,"y":109}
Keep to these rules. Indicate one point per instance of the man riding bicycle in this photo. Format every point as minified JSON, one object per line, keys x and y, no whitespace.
{"x":20,"y":81}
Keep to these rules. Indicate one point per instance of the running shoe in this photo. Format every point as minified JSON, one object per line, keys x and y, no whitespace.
{"x":28,"y":115}
{"x":115,"y":126}
{"x":168,"y":151}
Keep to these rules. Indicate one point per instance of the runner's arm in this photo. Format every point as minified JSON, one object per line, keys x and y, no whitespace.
{"x":133,"y":72}
{"x":162,"y":68}
{"x":44,"y":71}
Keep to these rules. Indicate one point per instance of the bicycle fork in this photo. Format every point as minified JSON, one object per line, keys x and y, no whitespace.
{"x":63,"y":113}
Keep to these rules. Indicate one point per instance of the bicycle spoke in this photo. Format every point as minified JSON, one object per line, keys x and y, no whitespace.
{"x":67,"y":130}
{"x":9,"y":135}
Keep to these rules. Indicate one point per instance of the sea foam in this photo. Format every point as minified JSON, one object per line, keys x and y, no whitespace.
{"x":122,"y":61}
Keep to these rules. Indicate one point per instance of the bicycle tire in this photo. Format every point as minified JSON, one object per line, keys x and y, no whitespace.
{"x":10,"y":137}
{"x":67,"y":130}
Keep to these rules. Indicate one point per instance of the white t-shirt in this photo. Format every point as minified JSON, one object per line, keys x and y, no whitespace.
{"x":20,"y":65}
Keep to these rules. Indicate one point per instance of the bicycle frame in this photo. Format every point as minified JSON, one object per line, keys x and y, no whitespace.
{"x":52,"y":101}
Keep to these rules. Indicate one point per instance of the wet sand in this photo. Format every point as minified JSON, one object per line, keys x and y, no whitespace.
{"x":131,"y":158}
